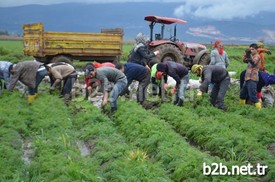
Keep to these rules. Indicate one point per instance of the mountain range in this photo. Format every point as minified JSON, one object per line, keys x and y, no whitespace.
{"x":77,"y":17}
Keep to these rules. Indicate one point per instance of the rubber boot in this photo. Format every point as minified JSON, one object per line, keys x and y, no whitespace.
{"x":35,"y":95}
{"x":242,"y":101}
{"x":67,"y":99}
{"x":113,"y":109}
{"x":31,"y":99}
{"x":258,"y":105}
{"x":86,"y":93}
{"x":176,"y":101}
{"x":180,"y":103}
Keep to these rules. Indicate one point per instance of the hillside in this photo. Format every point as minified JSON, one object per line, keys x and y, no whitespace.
{"x":130,"y":16}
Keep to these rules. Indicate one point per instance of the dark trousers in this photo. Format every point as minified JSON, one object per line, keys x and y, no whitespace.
{"x":156,"y":87}
{"x":218,"y":92}
{"x":39,"y":77}
{"x":260,"y":83}
{"x":0,"y":86}
{"x":142,"y":87}
{"x":68,"y":84}
{"x":249,"y":90}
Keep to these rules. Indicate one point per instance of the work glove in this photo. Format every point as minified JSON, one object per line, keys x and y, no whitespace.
{"x":259,"y":95}
{"x":199,"y":93}
{"x":247,"y":53}
{"x":156,"y":52}
{"x":268,"y":52}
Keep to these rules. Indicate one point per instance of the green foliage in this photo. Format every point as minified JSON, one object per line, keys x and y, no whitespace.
{"x":10,"y":154}
{"x":4,"y":51}
{"x":48,"y":141}
{"x":12,"y":45}
{"x":127,"y":47}
{"x":12,"y":51}
{"x":159,"y":140}
{"x":230,"y":136}
{"x":110,"y":151}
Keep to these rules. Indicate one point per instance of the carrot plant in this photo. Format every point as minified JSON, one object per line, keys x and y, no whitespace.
{"x":116,"y":159}
{"x":48,"y":141}
{"x":228,"y":136}
{"x":182,"y":161}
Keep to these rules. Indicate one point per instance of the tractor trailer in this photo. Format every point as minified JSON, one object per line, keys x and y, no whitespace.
{"x":49,"y":47}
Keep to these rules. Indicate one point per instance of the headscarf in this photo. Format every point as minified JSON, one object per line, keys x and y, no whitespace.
{"x":260,"y":44}
{"x":140,"y":38}
{"x":196,"y":67}
{"x":219,"y":46}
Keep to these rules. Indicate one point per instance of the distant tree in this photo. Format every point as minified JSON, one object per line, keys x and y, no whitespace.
{"x":4,"y":32}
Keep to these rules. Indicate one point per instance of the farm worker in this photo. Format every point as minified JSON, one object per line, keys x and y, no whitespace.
{"x":249,"y":88}
{"x":140,"y":54}
{"x":261,"y":51}
{"x":265,"y":79}
{"x":87,"y":79}
{"x":30,"y":73}
{"x":156,"y":77}
{"x":218,"y":55}
{"x":213,"y":74}
{"x":98,"y":65}
{"x":65,"y":72}
{"x":180,"y":74}
{"x":139,"y":73}
{"x":4,"y":74}
{"x":106,"y":75}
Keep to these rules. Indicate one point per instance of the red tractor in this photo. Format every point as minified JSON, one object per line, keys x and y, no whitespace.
{"x":171,"y":48}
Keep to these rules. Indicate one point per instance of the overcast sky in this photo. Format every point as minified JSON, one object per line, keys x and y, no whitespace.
{"x":213,"y":9}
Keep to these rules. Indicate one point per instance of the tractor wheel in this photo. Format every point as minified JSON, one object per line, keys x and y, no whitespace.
{"x":62,"y":59}
{"x":169,"y":52}
{"x":205,"y":59}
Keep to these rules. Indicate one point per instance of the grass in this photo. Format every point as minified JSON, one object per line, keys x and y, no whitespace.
{"x":12,"y":50}
{"x":12,"y":45}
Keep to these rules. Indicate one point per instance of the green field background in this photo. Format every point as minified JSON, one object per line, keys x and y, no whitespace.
{"x":12,"y":50}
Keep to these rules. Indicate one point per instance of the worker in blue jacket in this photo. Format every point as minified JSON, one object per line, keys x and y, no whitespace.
{"x":265,"y":79}
{"x":138,"y":73}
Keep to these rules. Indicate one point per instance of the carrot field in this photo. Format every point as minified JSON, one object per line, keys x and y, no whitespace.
{"x":48,"y":141}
